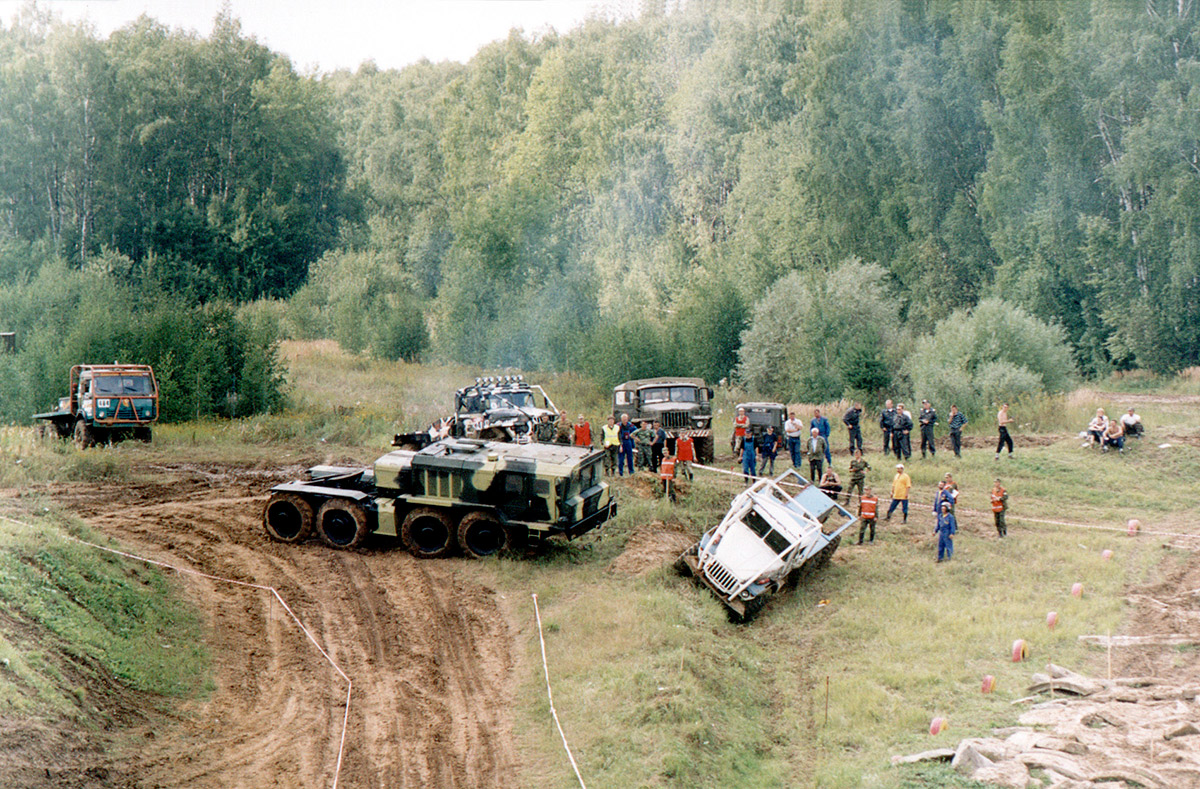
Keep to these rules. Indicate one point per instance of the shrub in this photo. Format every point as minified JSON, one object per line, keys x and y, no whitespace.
{"x":996,"y":351}
{"x":817,"y":334}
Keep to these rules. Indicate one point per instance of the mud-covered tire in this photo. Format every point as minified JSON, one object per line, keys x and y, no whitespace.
{"x":84,"y":437}
{"x":288,"y":518}
{"x":143,"y":434}
{"x":63,"y":428}
{"x":752,"y":609}
{"x":427,"y":533}
{"x":481,"y":535}
{"x":681,"y":565}
{"x":704,"y":448}
{"x":826,"y":553}
{"x":341,"y":524}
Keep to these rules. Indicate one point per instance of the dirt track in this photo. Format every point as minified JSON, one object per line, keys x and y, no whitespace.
{"x":429,"y":650}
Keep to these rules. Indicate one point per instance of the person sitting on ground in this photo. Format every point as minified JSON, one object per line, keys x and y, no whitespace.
{"x":1132,"y":423}
{"x":1114,"y":436}
{"x":830,"y":484}
{"x":1097,"y":427}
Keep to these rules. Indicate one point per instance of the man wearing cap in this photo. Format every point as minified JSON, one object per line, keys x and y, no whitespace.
{"x":901,"y":484}
{"x":815,"y":448}
{"x":858,"y":474}
{"x":610,"y":437}
{"x":946,"y":528}
{"x":928,"y":418}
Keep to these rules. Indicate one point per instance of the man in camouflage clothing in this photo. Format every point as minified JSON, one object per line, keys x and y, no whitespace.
{"x":643,"y":437}
{"x":564,"y":432}
{"x":858,"y":475}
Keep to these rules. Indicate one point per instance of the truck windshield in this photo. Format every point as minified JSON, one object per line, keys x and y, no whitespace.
{"x":774,"y":540}
{"x":669,"y":394}
{"x":123,"y":385}
{"x":511,"y":399}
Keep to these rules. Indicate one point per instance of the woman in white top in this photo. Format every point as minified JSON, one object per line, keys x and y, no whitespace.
{"x":1097,"y":427}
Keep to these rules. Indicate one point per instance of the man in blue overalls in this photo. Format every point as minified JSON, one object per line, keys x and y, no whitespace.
{"x":946,"y":527}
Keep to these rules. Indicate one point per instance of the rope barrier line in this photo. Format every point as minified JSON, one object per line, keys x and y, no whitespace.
{"x":247,"y":584}
{"x":960,"y":508}
{"x":550,"y":696}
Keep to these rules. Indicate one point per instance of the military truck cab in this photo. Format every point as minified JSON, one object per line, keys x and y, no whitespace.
{"x":682,"y":405}
{"x":764,"y":415}
{"x":107,"y":402}
{"x":480,"y":497}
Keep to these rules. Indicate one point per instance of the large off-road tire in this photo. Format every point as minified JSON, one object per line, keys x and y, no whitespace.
{"x":826,"y":553}
{"x":681,"y":565}
{"x":704,"y":448}
{"x":143,"y":434}
{"x":427,"y":533}
{"x":84,"y":437}
{"x":288,"y":518}
{"x":63,"y":428}
{"x":341,"y":524}
{"x":752,"y":609}
{"x":481,"y":535}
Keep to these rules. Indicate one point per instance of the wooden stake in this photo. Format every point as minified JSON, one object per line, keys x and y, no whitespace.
{"x":826,"y":700}
{"x":1110,"y":653}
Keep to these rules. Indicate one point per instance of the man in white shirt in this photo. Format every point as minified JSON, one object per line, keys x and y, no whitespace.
{"x":1132,"y":424}
{"x":793,"y":428}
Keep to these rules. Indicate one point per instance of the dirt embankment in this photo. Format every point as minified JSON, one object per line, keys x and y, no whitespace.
{"x":429,"y":650}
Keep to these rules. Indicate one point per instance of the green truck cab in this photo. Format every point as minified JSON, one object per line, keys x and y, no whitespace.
{"x":480,"y":497}
{"x":107,"y":402}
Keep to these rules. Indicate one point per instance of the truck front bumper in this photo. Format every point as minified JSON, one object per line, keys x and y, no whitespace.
{"x":595,"y":520}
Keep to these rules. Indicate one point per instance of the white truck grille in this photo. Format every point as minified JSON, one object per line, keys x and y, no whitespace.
{"x":720,"y":577}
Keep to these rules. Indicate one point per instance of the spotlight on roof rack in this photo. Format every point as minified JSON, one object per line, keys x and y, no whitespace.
{"x":520,"y":378}
{"x":478,"y":381}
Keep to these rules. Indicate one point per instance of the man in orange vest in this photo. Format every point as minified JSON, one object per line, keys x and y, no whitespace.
{"x":583,"y":432}
{"x":666,"y":472}
{"x":999,"y":506}
{"x":740,"y":424}
{"x":685,"y":455}
{"x":868,"y":509}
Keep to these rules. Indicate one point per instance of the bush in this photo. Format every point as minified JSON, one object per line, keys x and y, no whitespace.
{"x":992,"y":353}
{"x":818,"y":334}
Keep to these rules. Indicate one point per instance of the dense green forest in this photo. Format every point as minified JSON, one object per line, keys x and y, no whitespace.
{"x":809,"y":197}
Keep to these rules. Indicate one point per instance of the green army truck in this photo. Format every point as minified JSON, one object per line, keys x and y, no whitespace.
{"x":682,"y":405}
{"x":479,"y":497}
{"x":107,"y":402}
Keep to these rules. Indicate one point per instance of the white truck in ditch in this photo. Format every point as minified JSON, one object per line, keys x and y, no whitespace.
{"x":776,"y":532}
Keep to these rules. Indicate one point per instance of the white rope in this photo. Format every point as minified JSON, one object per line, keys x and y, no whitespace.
{"x":1008,"y":513}
{"x":187,"y":570}
{"x":550,"y":695}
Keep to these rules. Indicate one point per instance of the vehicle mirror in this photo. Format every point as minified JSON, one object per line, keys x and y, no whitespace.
{"x":708,"y":392}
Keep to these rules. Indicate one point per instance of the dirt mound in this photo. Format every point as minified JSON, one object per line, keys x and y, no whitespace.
{"x":429,"y":650}
{"x":651,"y":547}
{"x":989,"y":442}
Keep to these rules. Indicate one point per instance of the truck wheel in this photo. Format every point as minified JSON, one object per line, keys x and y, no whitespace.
{"x":143,"y":434}
{"x":480,"y":535}
{"x":681,"y":565}
{"x":64,"y":429}
{"x":288,"y":518}
{"x":427,"y":533}
{"x":83,"y":435}
{"x":704,"y":448}
{"x":826,"y":553}
{"x":752,"y":609}
{"x":341,"y":524}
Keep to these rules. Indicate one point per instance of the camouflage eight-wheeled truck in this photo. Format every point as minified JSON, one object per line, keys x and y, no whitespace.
{"x":480,"y":497}
{"x":682,"y":405}
{"x":107,"y":402}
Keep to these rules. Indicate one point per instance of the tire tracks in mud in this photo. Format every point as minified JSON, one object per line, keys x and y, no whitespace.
{"x":430,"y":650}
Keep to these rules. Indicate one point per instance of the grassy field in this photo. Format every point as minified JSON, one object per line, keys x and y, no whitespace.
{"x":654,"y":686}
